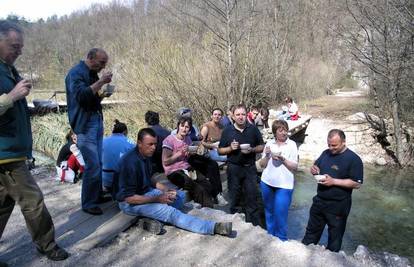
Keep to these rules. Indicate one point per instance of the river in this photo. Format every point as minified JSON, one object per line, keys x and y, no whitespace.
{"x":382,"y":214}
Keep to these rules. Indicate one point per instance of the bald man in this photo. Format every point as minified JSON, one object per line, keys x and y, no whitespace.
{"x":84,"y":95}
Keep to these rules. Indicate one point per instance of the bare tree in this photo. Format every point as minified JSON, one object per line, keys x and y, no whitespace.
{"x":382,"y":41}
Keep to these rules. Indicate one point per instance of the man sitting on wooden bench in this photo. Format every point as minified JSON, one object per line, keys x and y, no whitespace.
{"x":137,"y":197}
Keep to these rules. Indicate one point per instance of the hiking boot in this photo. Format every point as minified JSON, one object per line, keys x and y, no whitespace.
{"x":223,"y":228}
{"x":221,"y":201}
{"x":55,"y":254}
{"x":150,"y":225}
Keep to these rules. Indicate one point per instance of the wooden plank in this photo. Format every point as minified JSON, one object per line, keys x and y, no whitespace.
{"x":79,"y":217}
{"x":107,"y":231}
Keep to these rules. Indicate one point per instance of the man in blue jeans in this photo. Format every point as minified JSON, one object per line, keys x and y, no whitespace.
{"x":137,"y":197}
{"x":84,"y":96}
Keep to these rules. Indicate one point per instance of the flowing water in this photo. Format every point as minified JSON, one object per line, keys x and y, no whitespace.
{"x":382,"y":214}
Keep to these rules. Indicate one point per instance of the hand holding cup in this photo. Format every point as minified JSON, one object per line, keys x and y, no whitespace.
{"x":106,"y":77}
{"x":21,"y":90}
{"x":234,"y":145}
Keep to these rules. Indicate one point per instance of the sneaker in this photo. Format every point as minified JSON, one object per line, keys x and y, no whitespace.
{"x":221,"y":201}
{"x":150,"y":225}
{"x":55,"y":254}
{"x":223,"y":228}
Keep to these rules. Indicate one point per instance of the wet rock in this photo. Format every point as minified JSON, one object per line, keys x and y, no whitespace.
{"x":366,"y":257}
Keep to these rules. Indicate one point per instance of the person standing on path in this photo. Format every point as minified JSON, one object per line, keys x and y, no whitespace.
{"x":16,"y":181}
{"x":84,"y":96}
{"x":280,"y":160}
{"x":343,"y":171}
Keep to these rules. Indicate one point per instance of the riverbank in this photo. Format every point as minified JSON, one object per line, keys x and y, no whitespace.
{"x":248,"y":246}
{"x":342,"y":111}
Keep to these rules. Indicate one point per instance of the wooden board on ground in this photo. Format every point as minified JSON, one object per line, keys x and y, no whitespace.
{"x":107,"y":231}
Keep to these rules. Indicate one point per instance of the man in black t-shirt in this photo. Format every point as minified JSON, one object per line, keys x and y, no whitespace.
{"x":240,"y":142}
{"x":343,"y":170}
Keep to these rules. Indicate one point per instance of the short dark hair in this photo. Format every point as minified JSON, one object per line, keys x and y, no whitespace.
{"x":119,"y":127}
{"x":279,"y":124}
{"x":68,"y":136}
{"x":152,"y":118}
{"x":239,"y":106}
{"x":8,"y":26}
{"x":183,"y":120}
{"x":219,"y":109}
{"x":92,"y":53}
{"x":145,"y":131}
{"x":338,"y":132}
{"x":288,"y":99}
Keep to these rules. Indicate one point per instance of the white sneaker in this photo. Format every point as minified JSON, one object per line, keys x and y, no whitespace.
{"x":221,"y":200}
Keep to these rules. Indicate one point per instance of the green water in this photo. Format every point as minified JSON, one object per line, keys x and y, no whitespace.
{"x":382,"y":214}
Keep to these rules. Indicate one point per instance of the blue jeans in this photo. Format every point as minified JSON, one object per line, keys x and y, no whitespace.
{"x":276,"y":203}
{"x":214,"y":155}
{"x":107,"y":179}
{"x":169,"y":213}
{"x":90,"y":145}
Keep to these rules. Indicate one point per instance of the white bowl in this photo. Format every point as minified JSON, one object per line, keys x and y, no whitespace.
{"x":319,"y":177}
{"x":192,"y":149}
{"x":244,"y":146}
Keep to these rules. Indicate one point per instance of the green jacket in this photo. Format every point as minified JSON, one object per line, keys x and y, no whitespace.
{"x":15,"y":129}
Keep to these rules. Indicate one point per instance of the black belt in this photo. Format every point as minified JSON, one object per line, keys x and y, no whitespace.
{"x":105,"y":170}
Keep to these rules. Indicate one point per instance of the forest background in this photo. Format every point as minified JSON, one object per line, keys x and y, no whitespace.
{"x":201,"y":54}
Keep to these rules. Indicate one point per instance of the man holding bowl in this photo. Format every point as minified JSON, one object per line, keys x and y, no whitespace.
{"x":343,"y":170}
{"x":240,"y":142}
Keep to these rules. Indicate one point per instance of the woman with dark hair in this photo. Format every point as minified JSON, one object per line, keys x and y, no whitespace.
{"x":70,"y":163}
{"x":280,"y":159}
{"x":114,"y":146}
{"x":175,"y":159}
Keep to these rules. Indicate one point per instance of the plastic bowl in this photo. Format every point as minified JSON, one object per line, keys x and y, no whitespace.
{"x":192,"y":149}
{"x":319,"y":177}
{"x":244,"y":146}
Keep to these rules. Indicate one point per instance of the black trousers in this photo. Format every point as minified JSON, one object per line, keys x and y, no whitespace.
{"x":210,"y":169}
{"x":331,"y":213}
{"x":244,"y":179}
{"x":200,"y":189}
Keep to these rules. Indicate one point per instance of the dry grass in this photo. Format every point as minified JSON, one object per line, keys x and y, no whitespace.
{"x":335,"y":107}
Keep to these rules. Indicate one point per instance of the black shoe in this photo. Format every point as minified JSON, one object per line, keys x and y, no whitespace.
{"x":93,"y":211}
{"x":3,"y":264}
{"x":223,"y":228}
{"x":55,"y":254}
{"x":150,"y":225}
{"x":104,"y":198}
